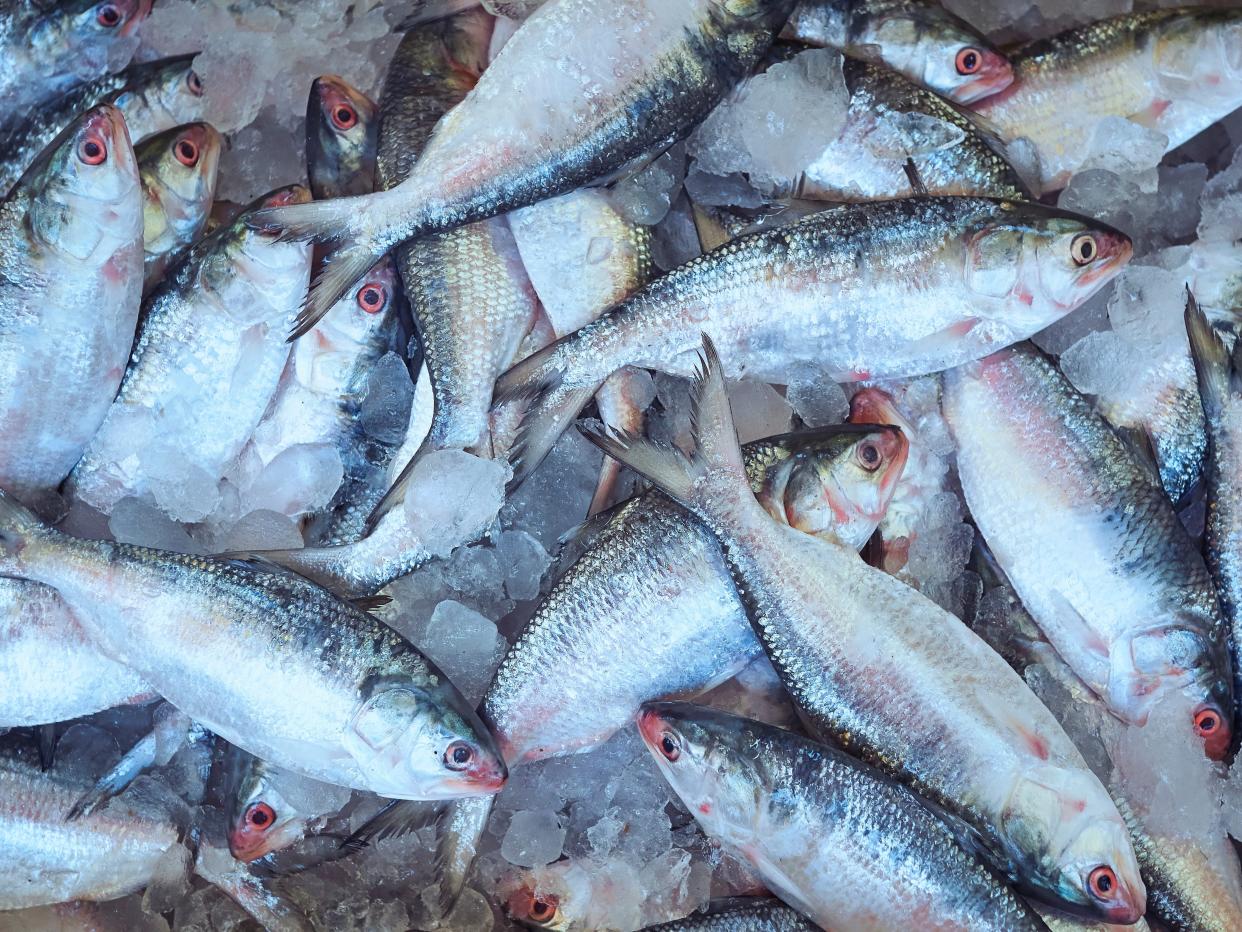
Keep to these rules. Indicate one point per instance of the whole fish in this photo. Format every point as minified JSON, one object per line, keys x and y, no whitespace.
{"x":838,"y":841}
{"x":1220,"y":390}
{"x":950,"y":718}
{"x":1172,"y":71}
{"x":342,"y":130}
{"x":51,"y":670}
{"x":866,"y":291}
{"x":583,"y":256}
{"x":152,"y":96}
{"x":744,"y":915}
{"x":268,"y":661}
{"x":70,"y":286}
{"x":206,"y":362}
{"x":584,"y":89}
{"x":1088,"y":538}
{"x":178,"y":172}
{"x":916,"y":38}
{"x":47,"y":48}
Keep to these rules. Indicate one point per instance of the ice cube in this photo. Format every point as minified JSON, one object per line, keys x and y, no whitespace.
{"x":645,"y":197}
{"x":298,"y":480}
{"x":558,"y":493}
{"x":523,"y":561}
{"x":465,"y":645}
{"x":385,"y":413}
{"x":452,"y":498}
{"x":134,"y":521}
{"x":534,"y":838}
{"x":263,"y":530}
{"x":816,"y":398}
{"x":759,"y":410}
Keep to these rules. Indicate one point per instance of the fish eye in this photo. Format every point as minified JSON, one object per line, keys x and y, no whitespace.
{"x":371,"y":297}
{"x":969,"y":60}
{"x":1207,"y":722}
{"x":186,"y":152}
{"x":108,"y":16}
{"x":542,"y":910}
{"x":1102,"y":882}
{"x":670,"y":747}
{"x":1083,"y":249}
{"x":92,"y":150}
{"x":869,"y":456}
{"x":458,"y":755}
{"x":344,"y":117}
{"x":260,"y":815}
{"x":194,"y":83}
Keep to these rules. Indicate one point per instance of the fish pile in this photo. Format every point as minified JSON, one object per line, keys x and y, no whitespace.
{"x":727,"y":465}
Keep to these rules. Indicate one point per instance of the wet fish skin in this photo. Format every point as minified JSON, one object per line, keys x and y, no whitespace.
{"x":342,"y":130}
{"x":989,"y":273}
{"x":956,"y":724}
{"x":918,"y":39}
{"x":844,"y":845}
{"x":178,"y":172}
{"x":748,"y":915}
{"x":1175,"y":71}
{"x":1089,"y":540}
{"x":268,"y":661}
{"x":152,"y":96}
{"x":51,"y":670}
{"x":70,"y":283}
{"x":491,"y":157}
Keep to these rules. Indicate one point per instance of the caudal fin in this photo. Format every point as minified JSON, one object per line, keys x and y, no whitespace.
{"x":702,"y":481}
{"x":1216,"y":373}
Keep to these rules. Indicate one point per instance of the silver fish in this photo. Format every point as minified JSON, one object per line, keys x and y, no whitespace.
{"x":70,"y":286}
{"x":951,"y":720}
{"x":269,"y":810}
{"x":746,"y":915}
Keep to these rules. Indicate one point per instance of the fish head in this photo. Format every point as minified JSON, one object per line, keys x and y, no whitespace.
{"x":558,"y":896}
{"x":178,"y":170}
{"x":360,"y":327}
{"x":83,"y":38}
{"x":162,"y":94}
{"x":261,"y":820}
{"x":258,"y":252}
{"x":424,"y":742}
{"x":1037,"y":264}
{"x":342,"y":128}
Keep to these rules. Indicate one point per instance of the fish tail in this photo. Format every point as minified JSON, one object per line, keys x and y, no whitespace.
{"x":708,"y":479}
{"x":621,"y":407}
{"x":17,"y":525}
{"x":427,"y":11}
{"x":1212,"y":364}
{"x":459,"y":830}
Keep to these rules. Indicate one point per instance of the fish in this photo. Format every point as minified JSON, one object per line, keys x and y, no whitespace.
{"x":841,"y":843}
{"x":1173,"y":71}
{"x":747,"y":914}
{"x":1084,"y":531}
{"x":152,"y":96}
{"x":206,"y":361}
{"x":955,"y":723}
{"x":1220,"y":393}
{"x":867,"y":291}
{"x":52,"y":671}
{"x":70,"y":286}
{"x":48,"y":48}
{"x":920,"y":40}
{"x":178,"y":172}
{"x":342,"y":131}
{"x":269,"y":811}
{"x":583,"y":256}
{"x":268,"y":661}
{"x":572,"y":99}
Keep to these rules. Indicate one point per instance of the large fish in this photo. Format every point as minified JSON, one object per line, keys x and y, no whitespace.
{"x":584,"y":89}
{"x":268,"y":661}
{"x":880,"y":669}
{"x":1088,"y":538}
{"x":70,"y":287}
{"x":178,"y":171}
{"x":867,"y":291}
{"x":838,"y":841}
{"x":153,"y":96}
{"x":916,"y":38}
{"x":1172,"y":71}
{"x":342,"y":130}
{"x":207,"y":360}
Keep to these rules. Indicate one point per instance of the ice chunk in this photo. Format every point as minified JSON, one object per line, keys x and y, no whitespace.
{"x":759,"y":410}
{"x":465,"y":645}
{"x":299,"y":479}
{"x":558,"y":493}
{"x":184,"y":491}
{"x":134,"y":521}
{"x":675,"y":240}
{"x":816,"y":398}
{"x":534,"y":838}
{"x":452,"y":498}
{"x":646,"y":196}
{"x":385,"y":414}
{"x":523,"y":561}
{"x":1124,"y":147}
{"x":1091,"y":317}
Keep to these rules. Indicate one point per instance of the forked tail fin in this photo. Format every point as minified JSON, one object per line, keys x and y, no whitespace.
{"x":1217,"y":373}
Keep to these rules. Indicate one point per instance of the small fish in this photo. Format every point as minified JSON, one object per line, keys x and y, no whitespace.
{"x":178,"y":171}
{"x":70,"y":286}
{"x":268,"y":661}
{"x":949,"y":718}
{"x":206,"y":362}
{"x":153,"y":96}
{"x":1172,"y":71}
{"x":743,"y":915}
{"x":51,"y":670}
{"x":866,"y":291}
{"x":841,"y":843}
{"x":342,"y":131}
{"x":1088,"y":538}
{"x":584,"y":90}
{"x":915,"y":38}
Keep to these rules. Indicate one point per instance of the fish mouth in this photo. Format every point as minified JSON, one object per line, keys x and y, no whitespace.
{"x":995,"y":76}
{"x":650,"y":726}
{"x":245,"y":848}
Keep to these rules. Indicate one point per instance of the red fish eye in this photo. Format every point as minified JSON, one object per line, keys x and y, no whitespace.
{"x":371,"y":297}
{"x":92,"y":150}
{"x":869,"y":456}
{"x":108,"y":15}
{"x":544,"y":909}
{"x":1102,"y":882}
{"x":344,"y":116}
{"x":969,"y":61}
{"x":194,"y":83}
{"x":187,"y":152}
{"x":1206,"y":722}
{"x":670,"y":747}
{"x":1083,"y":249}
{"x":260,"y":815}
{"x":458,"y":755}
